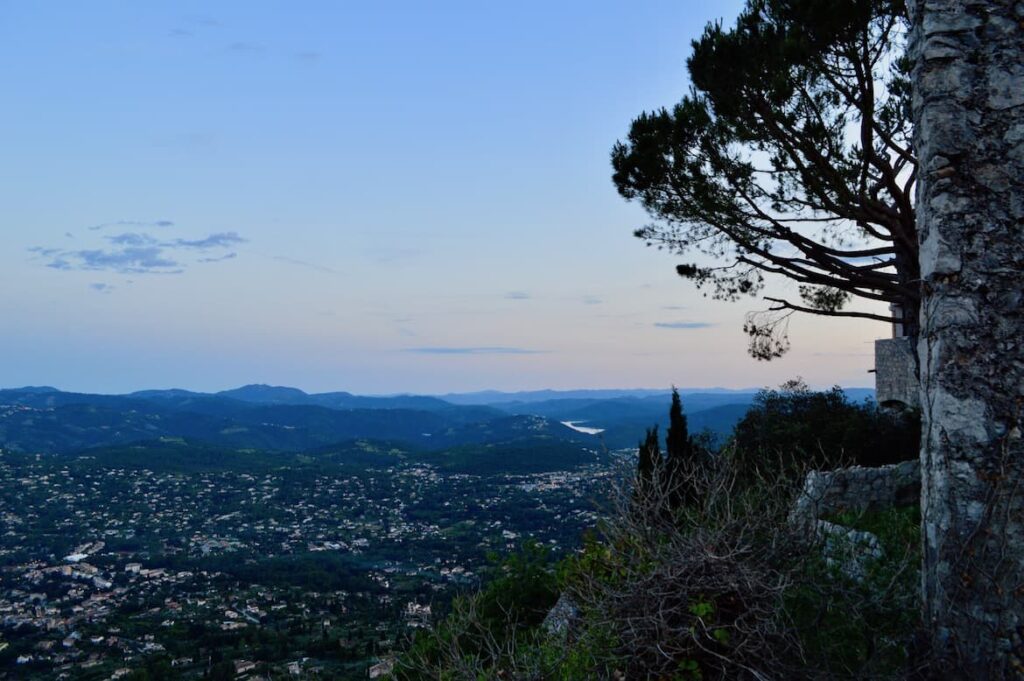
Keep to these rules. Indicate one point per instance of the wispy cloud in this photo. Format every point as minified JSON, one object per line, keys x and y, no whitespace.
{"x":517,"y":295}
{"x":131,"y":223}
{"x":132,"y":239}
{"x":219,"y":240}
{"x":442,"y":350}
{"x":137,"y":251}
{"x":101,"y":288}
{"x":592,"y":300}
{"x":242,"y":46}
{"x":128,"y":260}
{"x":202,"y":20}
{"x":227,"y":256}
{"x":683,"y":325}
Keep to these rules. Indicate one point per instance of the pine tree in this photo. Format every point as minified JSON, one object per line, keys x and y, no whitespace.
{"x":790,"y":156}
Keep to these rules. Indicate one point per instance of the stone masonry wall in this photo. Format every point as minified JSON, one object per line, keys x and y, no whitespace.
{"x":895,"y":373}
{"x":968,"y":108}
{"x":858,"y":489}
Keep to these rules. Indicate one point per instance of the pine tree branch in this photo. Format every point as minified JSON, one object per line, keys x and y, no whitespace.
{"x":786,"y":305}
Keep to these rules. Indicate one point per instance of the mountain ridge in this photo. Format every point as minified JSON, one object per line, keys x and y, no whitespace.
{"x":280,"y":418}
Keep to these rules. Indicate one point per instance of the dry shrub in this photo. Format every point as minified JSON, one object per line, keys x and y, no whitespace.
{"x":695,"y":592}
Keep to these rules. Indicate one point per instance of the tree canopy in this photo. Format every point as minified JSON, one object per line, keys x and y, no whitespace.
{"x":791,"y":157}
{"x":793,"y":429}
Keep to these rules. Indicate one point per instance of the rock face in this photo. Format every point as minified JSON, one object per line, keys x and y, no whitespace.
{"x":852,"y":551}
{"x":562,"y":617}
{"x":968,"y":107}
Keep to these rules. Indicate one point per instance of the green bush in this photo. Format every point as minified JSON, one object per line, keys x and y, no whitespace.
{"x":861,"y":625}
{"x":795,"y":428}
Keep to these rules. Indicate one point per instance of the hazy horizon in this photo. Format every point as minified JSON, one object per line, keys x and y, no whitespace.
{"x":603,"y":389}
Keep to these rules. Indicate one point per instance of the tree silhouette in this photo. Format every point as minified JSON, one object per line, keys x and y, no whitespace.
{"x":649,"y":463}
{"x":790,"y":157}
{"x":682,"y":457}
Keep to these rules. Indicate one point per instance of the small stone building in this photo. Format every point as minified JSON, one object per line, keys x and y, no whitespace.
{"x":896,"y":383}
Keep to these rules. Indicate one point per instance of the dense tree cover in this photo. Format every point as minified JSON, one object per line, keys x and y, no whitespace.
{"x":505,"y":614}
{"x":313,"y":571}
{"x":789,"y":157}
{"x":253,"y":434}
{"x":796,"y":428}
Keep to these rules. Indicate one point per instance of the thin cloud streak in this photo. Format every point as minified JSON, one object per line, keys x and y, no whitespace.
{"x":132,"y":239}
{"x":441,"y":350}
{"x":222,"y":258}
{"x":218,"y":240}
{"x":131,"y":223}
{"x":683,"y":325}
{"x":303,"y":263}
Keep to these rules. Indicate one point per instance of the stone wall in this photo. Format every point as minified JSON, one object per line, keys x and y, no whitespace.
{"x":895,"y":373}
{"x":858,"y":489}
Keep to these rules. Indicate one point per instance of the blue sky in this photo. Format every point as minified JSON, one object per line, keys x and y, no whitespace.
{"x":375,"y":197}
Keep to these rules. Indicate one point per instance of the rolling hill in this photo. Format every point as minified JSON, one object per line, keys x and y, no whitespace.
{"x":516,"y":431}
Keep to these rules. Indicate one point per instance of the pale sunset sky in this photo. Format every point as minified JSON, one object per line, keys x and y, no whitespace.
{"x":376,"y":197}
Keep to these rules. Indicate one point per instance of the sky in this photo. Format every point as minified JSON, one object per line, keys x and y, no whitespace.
{"x":375,"y":197}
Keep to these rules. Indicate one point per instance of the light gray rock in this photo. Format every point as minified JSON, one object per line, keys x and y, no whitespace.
{"x":968,"y":103}
{"x":562,"y":617}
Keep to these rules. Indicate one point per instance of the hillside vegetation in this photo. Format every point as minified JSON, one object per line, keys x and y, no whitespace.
{"x":698,"y":572}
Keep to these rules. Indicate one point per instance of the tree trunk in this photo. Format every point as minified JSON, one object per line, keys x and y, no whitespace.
{"x":968,"y":111}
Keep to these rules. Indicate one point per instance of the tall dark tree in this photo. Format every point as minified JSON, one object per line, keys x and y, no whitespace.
{"x":790,"y":157}
{"x":681,"y":456}
{"x":649,"y":465}
{"x":678,"y":436}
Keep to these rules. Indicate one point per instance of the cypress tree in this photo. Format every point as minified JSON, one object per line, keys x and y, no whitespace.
{"x":648,"y":461}
{"x":681,"y":456}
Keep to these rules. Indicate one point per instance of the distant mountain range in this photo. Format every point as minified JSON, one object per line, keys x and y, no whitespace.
{"x":529,"y":396}
{"x":450,"y":430}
